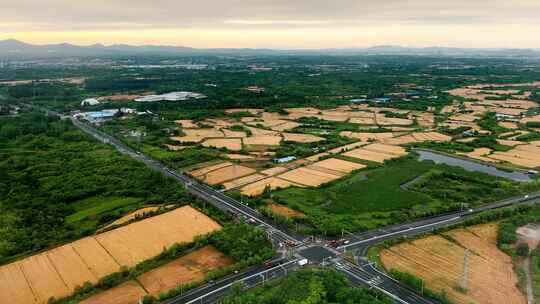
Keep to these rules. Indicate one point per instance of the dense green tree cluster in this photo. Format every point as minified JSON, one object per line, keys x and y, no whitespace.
{"x":49,"y":169}
{"x":311,"y":286}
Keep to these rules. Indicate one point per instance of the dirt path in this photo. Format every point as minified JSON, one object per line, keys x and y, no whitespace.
{"x":527,"y":268}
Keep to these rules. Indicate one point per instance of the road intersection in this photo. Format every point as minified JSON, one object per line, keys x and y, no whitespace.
{"x":360,"y":272}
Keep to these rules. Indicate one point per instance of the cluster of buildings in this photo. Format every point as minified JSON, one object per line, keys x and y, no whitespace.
{"x":103,"y":115}
{"x":173,"y":96}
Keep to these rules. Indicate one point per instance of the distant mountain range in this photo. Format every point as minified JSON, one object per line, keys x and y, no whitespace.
{"x":12,"y":48}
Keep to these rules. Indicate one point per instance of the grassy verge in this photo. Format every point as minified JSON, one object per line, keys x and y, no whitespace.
{"x":97,"y":205}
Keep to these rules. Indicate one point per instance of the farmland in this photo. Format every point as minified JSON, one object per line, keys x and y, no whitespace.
{"x":438,"y":260}
{"x":190,"y":268}
{"x":376,"y":196}
{"x":56,"y":273}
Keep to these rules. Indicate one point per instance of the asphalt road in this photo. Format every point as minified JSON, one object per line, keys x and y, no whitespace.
{"x":363,"y":273}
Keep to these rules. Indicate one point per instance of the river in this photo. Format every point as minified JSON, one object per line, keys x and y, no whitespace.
{"x":472,"y":166}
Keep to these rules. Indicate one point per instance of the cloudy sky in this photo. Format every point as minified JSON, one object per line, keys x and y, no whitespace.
{"x":275,"y":23}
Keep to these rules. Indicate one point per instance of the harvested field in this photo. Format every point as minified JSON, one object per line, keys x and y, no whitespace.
{"x":464,"y":117}
{"x":347,"y":147}
{"x":507,"y":111}
{"x":369,"y":155}
{"x":401,"y":140}
{"x":480,"y":154}
{"x":263,"y":140}
{"x":285,"y":126}
{"x":142,"y":240}
{"x":274,"y":171}
{"x":339,"y":165}
{"x":308,"y":177}
{"x":363,"y":120}
{"x":14,"y":288}
{"x":43,"y":278}
{"x":96,"y":257}
{"x":233,"y":144}
{"x":316,"y":157}
{"x":208,"y":169}
{"x":55,"y":273}
{"x":387,"y":149}
{"x":439,"y":261}
{"x":133,"y":215}
{"x":302,"y":138}
{"x":510,"y":143}
{"x":260,"y":132}
{"x":226,"y":174}
{"x":127,"y":293}
{"x":240,"y":157}
{"x":508,"y":125}
{"x":243,"y":181}
{"x":234,"y":134}
{"x":535,"y":118}
{"x":366,"y":136}
{"x":197,"y":135}
{"x":272,"y":182}
{"x":431,"y":136}
{"x":387,"y":121}
{"x":186,"y":123}
{"x":190,"y":268}
{"x":285,"y":211}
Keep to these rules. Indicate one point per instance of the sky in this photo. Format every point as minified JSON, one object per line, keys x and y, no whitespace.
{"x":283,"y":24}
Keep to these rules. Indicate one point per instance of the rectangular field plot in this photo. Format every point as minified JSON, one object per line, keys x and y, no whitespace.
{"x":439,"y":262}
{"x":226,"y":174}
{"x":55,"y":273}
{"x":127,"y":293}
{"x":242,"y":181}
{"x":202,"y":171}
{"x":233,"y":144}
{"x":257,"y":188}
{"x":308,"y":177}
{"x":338,"y":165}
{"x":369,"y":155}
{"x":139,"y":241}
{"x":190,"y":268}
{"x":386,"y":149}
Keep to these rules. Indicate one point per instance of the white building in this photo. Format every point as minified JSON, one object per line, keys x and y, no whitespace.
{"x":90,"y":102}
{"x":173,"y":96}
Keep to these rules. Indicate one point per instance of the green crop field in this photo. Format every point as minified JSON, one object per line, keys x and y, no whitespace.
{"x":378,"y":196}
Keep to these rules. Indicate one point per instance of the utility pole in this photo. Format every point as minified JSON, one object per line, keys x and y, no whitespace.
{"x":463,"y":279}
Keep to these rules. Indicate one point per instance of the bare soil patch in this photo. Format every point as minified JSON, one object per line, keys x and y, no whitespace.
{"x":263,"y":140}
{"x":186,"y":269}
{"x":233,"y":144}
{"x":127,"y":293}
{"x":301,"y":138}
{"x":285,"y":211}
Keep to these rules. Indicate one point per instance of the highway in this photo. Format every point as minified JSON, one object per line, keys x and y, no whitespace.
{"x":362,"y":272}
